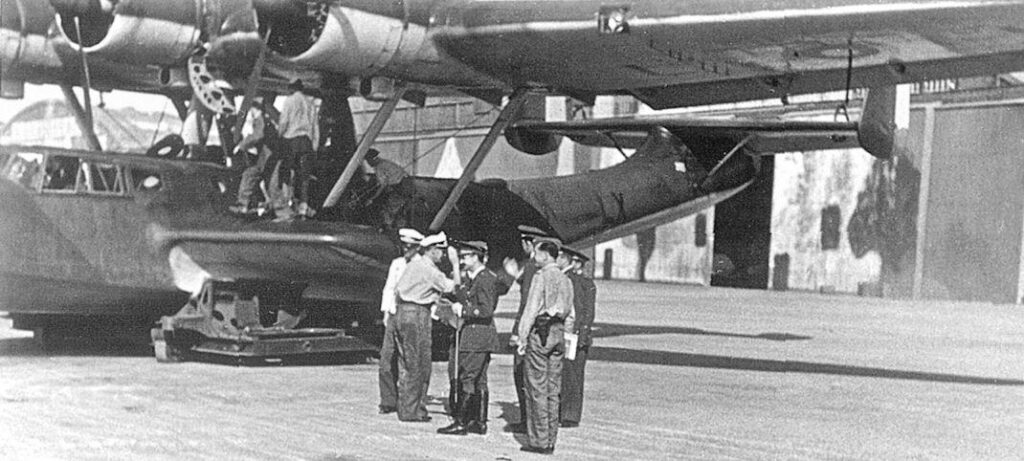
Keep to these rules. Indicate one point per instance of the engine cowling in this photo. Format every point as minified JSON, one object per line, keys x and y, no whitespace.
{"x":144,"y":32}
{"x":336,"y":39}
{"x":532,"y":143}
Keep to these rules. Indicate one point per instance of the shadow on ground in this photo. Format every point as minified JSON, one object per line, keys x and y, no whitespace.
{"x":609,"y":330}
{"x":681,"y":359}
{"x":510,"y":416}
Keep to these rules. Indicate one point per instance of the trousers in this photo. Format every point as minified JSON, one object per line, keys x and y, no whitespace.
{"x":543,"y":370}
{"x":413,"y":350}
{"x":571,"y":405}
{"x":387,"y":373}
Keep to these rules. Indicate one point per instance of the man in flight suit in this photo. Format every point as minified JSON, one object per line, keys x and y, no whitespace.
{"x":547,"y":315}
{"x":477,"y":298}
{"x":584,"y":293}
{"x":420,"y":286}
{"x":387,"y":376}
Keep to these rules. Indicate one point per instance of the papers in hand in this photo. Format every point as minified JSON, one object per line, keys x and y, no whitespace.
{"x":571,"y":341}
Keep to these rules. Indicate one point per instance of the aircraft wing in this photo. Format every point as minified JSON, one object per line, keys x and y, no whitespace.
{"x":763,"y":136}
{"x":662,"y":217}
{"x":673,"y":54}
{"x":350,"y":266}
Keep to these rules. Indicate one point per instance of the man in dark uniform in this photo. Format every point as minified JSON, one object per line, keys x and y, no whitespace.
{"x":584,"y":294}
{"x":420,"y":286}
{"x":478,"y":338}
{"x":523,"y":274}
{"x":547,"y":315}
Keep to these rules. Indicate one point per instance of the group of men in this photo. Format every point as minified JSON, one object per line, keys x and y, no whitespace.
{"x":283,"y":144}
{"x":556,"y":312}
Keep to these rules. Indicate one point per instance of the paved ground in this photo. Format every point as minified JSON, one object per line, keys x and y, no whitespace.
{"x":677,"y":373}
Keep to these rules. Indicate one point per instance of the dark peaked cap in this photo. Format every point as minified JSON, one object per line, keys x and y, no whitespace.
{"x":575,"y":254}
{"x":475,"y":246}
{"x":530,"y":231}
{"x":548,"y":239}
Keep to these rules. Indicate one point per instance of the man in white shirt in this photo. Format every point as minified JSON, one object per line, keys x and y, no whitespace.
{"x":297,"y":127}
{"x":420,"y":286}
{"x":388,"y":372}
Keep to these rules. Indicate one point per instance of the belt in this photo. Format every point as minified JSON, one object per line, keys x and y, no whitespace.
{"x":477,"y":321}
{"x":548,"y":318}
{"x":407,"y":303}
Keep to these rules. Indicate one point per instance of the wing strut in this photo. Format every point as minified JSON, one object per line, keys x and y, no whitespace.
{"x":250,"y":90}
{"x":383,"y":114}
{"x":81,"y":117}
{"x":508,"y":114}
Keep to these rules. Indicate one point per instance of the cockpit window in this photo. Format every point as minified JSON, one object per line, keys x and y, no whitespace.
{"x":101,"y":178}
{"x":23,"y":168}
{"x":60,"y":173}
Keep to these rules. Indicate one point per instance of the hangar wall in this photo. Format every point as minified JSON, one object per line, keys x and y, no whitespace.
{"x":964,"y":165}
{"x":973,"y":203}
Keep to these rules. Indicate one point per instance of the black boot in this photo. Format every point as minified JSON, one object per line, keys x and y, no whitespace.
{"x":479,"y":423}
{"x":459,"y":414}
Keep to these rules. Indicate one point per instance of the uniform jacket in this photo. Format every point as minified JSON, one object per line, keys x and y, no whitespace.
{"x":584,"y":297}
{"x":479,"y":298}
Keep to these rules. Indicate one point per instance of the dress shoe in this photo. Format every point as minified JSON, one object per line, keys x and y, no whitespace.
{"x":386,"y":410}
{"x":569,"y":424}
{"x":477,"y":427}
{"x":456,"y":428}
{"x":538,"y":450}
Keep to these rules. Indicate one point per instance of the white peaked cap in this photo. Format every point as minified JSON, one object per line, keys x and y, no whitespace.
{"x":434,"y":239}
{"x":407,"y":235}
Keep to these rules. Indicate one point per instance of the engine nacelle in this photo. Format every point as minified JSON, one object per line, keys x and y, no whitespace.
{"x":24,"y":47}
{"x":339,"y":40}
{"x":531,"y":142}
{"x":143,"y":32}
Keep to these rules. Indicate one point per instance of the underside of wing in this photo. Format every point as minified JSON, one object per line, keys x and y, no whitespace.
{"x":761,"y":136}
{"x":672,"y":54}
{"x":347,"y":267}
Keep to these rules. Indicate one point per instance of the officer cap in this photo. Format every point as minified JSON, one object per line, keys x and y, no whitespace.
{"x":409,"y":236}
{"x":531,"y":232}
{"x":438,"y":240}
{"x":548,"y":239}
{"x":576,"y":255}
{"x":477,"y":247}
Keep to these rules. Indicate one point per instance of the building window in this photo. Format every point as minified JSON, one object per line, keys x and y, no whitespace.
{"x":831,"y":218}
